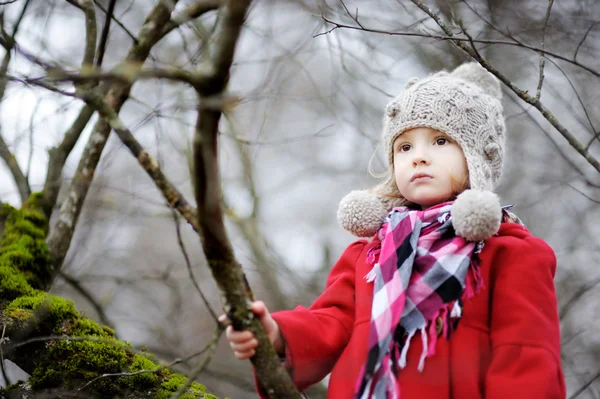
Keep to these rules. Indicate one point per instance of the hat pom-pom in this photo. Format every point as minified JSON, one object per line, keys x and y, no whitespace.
{"x":361,"y":213}
{"x":476,"y":215}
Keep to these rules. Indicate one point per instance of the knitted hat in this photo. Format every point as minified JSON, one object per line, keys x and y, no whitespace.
{"x":465,"y":105}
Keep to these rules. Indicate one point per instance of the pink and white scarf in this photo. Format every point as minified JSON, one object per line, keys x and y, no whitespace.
{"x":423,"y":271}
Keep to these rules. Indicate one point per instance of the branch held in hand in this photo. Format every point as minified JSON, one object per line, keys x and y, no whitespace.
{"x":217,"y":247}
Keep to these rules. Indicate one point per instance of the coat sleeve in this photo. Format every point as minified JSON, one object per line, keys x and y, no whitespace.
{"x":315,"y":337}
{"x":525,"y":330}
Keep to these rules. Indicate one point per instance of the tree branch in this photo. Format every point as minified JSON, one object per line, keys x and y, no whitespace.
{"x":542,"y":59}
{"x":58,"y":156}
{"x":174,"y":198}
{"x":190,"y":13}
{"x":77,"y":286}
{"x":211,"y":347}
{"x":450,"y":36}
{"x":59,"y":238}
{"x":129,"y":73}
{"x":217,"y":247}
{"x":188,"y":263}
{"x":472,"y":51}
{"x":127,"y":31}
{"x":91,"y":30}
{"x":105,"y":30}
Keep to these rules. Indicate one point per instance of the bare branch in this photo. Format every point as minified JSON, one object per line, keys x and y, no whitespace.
{"x":450,"y":36}
{"x":77,"y":286}
{"x":91,"y":30}
{"x":129,"y":73}
{"x":174,"y":198}
{"x":105,"y":30}
{"x":200,"y":367}
{"x":218,"y":250}
{"x":59,"y":238}
{"x":127,"y":31}
{"x":210,"y":347}
{"x":542,"y":58}
{"x":579,"y":147}
{"x":587,"y":32}
{"x":58,"y":157}
{"x":189,"y":267}
{"x":192,"y":12}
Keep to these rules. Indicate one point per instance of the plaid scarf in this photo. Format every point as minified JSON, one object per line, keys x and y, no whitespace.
{"x":422,"y":272}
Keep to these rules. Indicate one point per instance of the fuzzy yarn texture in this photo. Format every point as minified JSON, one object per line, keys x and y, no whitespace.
{"x":361,"y":213}
{"x":465,"y":105}
{"x":476,"y":215}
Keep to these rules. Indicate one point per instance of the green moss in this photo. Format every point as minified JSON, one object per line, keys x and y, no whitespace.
{"x":24,"y":268}
{"x":23,"y":247}
{"x":173,"y":382}
{"x":12,"y":284}
{"x":144,"y":380}
{"x":75,"y":362}
{"x":55,"y":311}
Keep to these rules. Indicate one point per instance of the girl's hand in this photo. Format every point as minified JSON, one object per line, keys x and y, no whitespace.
{"x":244,"y":344}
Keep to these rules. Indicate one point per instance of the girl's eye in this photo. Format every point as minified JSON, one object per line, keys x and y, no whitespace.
{"x":404,"y":147}
{"x":441,"y":140}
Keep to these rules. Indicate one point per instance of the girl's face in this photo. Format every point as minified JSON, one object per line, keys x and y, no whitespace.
{"x":428,"y":165}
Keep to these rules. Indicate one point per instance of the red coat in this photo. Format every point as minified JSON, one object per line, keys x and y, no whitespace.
{"x":507,"y":344}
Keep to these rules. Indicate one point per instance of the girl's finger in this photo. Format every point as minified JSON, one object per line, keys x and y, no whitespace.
{"x":244,"y":355}
{"x":259,"y":308}
{"x":244,"y":346}
{"x":237,"y":336}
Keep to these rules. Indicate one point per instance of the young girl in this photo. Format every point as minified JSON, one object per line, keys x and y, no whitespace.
{"x":453,"y":297}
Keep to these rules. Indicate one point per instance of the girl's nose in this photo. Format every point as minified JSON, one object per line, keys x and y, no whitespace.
{"x":420,"y":157}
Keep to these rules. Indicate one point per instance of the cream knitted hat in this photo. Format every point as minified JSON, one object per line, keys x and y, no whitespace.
{"x":465,"y":105}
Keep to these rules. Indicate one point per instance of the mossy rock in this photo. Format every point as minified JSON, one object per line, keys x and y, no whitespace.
{"x":64,"y":364}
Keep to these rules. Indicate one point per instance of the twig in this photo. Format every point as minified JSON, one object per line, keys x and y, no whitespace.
{"x":579,"y":147}
{"x":73,"y":282}
{"x":104,"y":36}
{"x":91,"y":30}
{"x":587,"y":32}
{"x":128,"y":73}
{"x":354,"y":17}
{"x":59,"y":238}
{"x":31,"y":131}
{"x":192,"y":12}
{"x":218,"y":249}
{"x":595,"y":134}
{"x":58,"y":156}
{"x":147,"y":162}
{"x":200,"y":367}
{"x":542,"y":58}
{"x":127,"y":31}
{"x":450,"y":36}
{"x":160,"y":367}
{"x":189,"y":266}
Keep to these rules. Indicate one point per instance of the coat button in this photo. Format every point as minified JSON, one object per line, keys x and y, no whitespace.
{"x":439,"y":325}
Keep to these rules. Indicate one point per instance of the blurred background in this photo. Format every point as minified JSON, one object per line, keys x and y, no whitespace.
{"x":301,"y":138}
